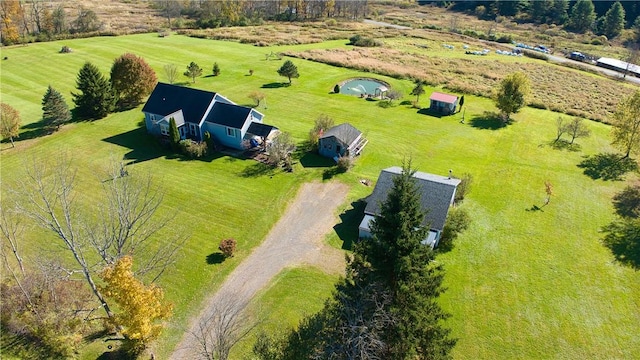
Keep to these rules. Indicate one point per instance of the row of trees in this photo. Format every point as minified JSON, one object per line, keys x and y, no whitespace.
{"x":131,"y":80}
{"x":603,"y":17}
{"x":98,"y":244}
{"x":208,"y":14}
{"x":44,"y":19}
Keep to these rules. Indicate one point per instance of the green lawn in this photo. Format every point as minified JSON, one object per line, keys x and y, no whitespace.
{"x":521,"y":284}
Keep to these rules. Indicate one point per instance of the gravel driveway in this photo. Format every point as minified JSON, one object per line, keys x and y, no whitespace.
{"x":297,"y":238}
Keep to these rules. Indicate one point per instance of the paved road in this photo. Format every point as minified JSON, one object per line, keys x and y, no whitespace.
{"x":296,"y":238}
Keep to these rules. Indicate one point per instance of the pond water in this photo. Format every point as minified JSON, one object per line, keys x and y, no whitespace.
{"x":362,"y":86}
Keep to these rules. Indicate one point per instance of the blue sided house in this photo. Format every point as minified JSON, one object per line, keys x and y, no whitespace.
{"x":436,"y":196}
{"x":197,"y":112}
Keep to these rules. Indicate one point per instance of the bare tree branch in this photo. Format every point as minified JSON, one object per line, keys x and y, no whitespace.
{"x":226,"y":325}
{"x":46,"y":196}
{"x":129,"y":223}
{"x":10,"y":229}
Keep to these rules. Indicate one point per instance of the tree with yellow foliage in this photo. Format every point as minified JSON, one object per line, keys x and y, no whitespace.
{"x":142,"y":308}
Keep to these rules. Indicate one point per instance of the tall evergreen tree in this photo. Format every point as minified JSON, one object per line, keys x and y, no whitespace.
{"x":540,"y":10}
{"x":55,"y":110}
{"x":96,"y":99}
{"x":405,"y":265}
{"x":386,"y":306}
{"x":131,"y":79}
{"x":174,"y":134}
{"x":582,"y":15}
{"x":559,"y":14}
{"x":614,"y":20}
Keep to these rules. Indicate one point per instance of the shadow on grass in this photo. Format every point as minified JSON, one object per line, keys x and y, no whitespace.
{"x":429,"y":112}
{"x":313,"y":160}
{"x":215,"y":258}
{"x":258,"y":169}
{"x":562,"y":144}
{"x":115,"y":355}
{"x":607,"y":166}
{"x":274,"y":85}
{"x":143,"y":146}
{"x":488,"y":121}
{"x":329,"y":173}
{"x":347,"y":230}
{"x":623,"y":240}
{"x":534,"y":207}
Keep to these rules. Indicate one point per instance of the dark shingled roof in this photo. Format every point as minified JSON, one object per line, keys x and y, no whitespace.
{"x":259,"y":129}
{"x":343,"y":132}
{"x":436,"y":193}
{"x":166,"y":99}
{"x":229,"y":115}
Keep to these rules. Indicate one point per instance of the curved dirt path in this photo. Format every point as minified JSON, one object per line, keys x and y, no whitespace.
{"x":296,"y":238}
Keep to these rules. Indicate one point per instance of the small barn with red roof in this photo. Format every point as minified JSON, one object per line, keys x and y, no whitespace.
{"x":443,"y":103}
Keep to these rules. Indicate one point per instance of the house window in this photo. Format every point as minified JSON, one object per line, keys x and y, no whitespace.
{"x":192,"y":129}
{"x":164,"y":129}
{"x":338,"y":149}
{"x":231,"y":132}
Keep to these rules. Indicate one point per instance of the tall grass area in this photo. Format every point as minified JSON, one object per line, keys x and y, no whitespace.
{"x":521,"y":283}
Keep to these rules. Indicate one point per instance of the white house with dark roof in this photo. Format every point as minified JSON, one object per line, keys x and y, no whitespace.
{"x":198,"y":111}
{"x":436,"y":196}
{"x":341,"y":140}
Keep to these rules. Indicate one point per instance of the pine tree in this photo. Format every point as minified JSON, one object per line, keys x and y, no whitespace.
{"x":559,"y":14}
{"x":96,"y":99}
{"x":582,"y":15}
{"x":405,"y":265}
{"x":174,"y":134}
{"x":289,"y":70}
{"x":418,"y":89}
{"x":386,"y":306}
{"x":193,"y":71}
{"x":131,"y":79}
{"x":216,"y":69}
{"x":55,"y":110}
{"x":614,"y":20}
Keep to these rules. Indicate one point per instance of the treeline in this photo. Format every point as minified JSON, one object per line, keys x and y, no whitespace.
{"x":607,"y":18}
{"x":39,"y":20}
{"x":211,"y":14}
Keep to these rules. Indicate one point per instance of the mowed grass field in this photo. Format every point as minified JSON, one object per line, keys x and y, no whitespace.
{"x":521,"y":283}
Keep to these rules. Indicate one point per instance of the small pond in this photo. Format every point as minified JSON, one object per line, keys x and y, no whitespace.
{"x":362,"y":87}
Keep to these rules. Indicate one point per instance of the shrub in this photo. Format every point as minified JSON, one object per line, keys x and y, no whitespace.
{"x":65,"y":49}
{"x":385,"y":104}
{"x":345,"y":163}
{"x":227,"y":247}
{"x":331,"y":22}
{"x":336,"y":89}
{"x":463,"y":188}
{"x":358,"y":40}
{"x":193,"y":149}
{"x":457,"y":222}
{"x":600,"y":40}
